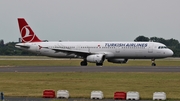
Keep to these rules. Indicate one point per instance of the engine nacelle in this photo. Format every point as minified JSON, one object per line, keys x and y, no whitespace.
{"x":118,"y":60}
{"x":96,"y":58}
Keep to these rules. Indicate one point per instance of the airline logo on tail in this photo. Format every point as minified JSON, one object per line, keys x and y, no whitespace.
{"x":27,"y":34}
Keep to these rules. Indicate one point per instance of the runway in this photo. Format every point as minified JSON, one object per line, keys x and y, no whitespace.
{"x":91,"y":69}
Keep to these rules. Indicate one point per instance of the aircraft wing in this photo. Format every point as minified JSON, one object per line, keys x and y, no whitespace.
{"x":70,"y":51}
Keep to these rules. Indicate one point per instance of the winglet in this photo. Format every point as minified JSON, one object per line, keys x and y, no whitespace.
{"x":27,"y":34}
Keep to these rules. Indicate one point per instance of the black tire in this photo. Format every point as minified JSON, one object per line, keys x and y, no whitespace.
{"x":83,"y":63}
{"x":153,"y":64}
{"x":99,"y":64}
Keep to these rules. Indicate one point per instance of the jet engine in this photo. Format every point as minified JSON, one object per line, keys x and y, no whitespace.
{"x":96,"y":58}
{"x":120,"y":61}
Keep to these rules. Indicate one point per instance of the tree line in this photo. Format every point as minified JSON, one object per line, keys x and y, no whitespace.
{"x":10,"y":49}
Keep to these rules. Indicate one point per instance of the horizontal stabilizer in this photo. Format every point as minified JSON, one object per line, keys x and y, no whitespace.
{"x":23,"y":46}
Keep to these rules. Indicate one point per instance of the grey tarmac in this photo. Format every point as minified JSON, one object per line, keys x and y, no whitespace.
{"x":92,"y":69}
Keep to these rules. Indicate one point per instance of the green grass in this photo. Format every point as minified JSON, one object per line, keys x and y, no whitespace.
{"x":81,"y":84}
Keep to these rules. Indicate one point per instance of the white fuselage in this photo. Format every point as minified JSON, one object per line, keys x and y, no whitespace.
{"x":129,"y":50}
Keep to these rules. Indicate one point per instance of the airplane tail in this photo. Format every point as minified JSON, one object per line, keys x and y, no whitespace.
{"x":27,"y":34}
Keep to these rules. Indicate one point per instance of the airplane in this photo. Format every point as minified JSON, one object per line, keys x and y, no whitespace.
{"x":93,"y":52}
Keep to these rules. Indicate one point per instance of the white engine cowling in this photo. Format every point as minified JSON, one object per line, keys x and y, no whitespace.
{"x":118,"y":60}
{"x":96,"y":58}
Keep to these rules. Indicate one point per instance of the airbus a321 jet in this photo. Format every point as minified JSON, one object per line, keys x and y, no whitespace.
{"x":94,"y":52}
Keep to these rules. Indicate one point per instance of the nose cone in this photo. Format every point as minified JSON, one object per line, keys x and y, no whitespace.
{"x":170,"y":52}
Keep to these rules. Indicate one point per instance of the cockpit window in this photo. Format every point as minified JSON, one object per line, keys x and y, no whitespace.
{"x":162,"y":47}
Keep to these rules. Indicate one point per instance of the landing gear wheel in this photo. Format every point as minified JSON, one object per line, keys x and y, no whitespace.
{"x":99,"y":64}
{"x":153,"y":62}
{"x":83,"y":63}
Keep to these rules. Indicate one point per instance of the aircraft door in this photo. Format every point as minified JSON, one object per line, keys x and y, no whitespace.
{"x":78,"y":47}
{"x":117,"y":49}
{"x":89,"y":49}
{"x":150,"y":47}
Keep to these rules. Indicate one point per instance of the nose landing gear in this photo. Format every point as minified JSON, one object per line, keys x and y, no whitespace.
{"x":153,"y":62}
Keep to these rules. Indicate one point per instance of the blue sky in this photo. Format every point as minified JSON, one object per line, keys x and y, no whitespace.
{"x":91,"y":20}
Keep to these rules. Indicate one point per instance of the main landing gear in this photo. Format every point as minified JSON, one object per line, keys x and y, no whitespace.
{"x":153,"y":62}
{"x":83,"y":63}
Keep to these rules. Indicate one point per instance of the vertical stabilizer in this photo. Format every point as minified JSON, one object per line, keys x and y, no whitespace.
{"x":27,"y":34}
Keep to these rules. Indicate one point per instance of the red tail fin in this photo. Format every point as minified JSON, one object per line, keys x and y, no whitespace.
{"x":27,"y":34}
